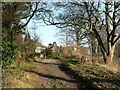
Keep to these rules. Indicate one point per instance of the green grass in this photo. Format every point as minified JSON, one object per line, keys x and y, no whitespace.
{"x":15,"y":78}
{"x":94,"y":76}
{"x":18,"y":77}
{"x":28,"y":65}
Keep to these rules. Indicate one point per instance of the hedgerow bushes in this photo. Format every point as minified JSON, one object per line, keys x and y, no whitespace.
{"x":9,"y":53}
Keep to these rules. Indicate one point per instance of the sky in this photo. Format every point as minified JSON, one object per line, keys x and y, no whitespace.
{"x":47,"y":34}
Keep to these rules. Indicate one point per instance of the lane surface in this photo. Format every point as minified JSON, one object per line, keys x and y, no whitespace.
{"x":51,"y":75}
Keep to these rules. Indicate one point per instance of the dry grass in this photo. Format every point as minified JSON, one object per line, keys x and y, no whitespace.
{"x":96,"y":75}
{"x":16,"y":76}
{"x":114,"y":68}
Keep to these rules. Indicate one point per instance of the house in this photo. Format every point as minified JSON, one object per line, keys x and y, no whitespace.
{"x":40,"y":50}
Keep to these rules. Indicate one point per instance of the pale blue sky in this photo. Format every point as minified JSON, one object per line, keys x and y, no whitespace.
{"x":46,"y":33}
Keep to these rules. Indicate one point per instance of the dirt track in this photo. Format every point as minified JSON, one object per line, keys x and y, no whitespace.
{"x":51,"y":75}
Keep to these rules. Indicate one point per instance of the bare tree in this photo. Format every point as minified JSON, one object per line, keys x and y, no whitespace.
{"x":95,"y":19}
{"x":111,"y":24}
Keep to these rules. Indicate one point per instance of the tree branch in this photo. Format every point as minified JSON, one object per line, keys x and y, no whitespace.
{"x":116,"y":40}
{"x":99,"y":39}
{"x":30,"y":16}
{"x":118,"y":22}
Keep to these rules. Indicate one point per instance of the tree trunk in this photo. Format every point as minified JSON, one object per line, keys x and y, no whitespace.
{"x":110,"y":55}
{"x":67,"y":38}
{"x":93,"y":44}
{"x":77,"y":32}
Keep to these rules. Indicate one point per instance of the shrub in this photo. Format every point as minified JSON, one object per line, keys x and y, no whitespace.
{"x":54,"y":55}
{"x":8,"y":52}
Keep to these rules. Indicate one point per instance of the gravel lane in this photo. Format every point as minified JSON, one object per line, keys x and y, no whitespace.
{"x":51,"y":75}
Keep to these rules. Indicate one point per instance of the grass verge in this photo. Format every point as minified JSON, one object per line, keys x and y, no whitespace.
{"x":17,"y":77}
{"x":92,"y":76}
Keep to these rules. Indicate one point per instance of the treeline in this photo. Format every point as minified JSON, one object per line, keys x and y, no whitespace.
{"x":95,"y":24}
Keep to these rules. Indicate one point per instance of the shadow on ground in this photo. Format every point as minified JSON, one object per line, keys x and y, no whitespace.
{"x":54,"y":62}
{"x":51,"y":76}
{"x":86,"y":84}
{"x":48,"y":63}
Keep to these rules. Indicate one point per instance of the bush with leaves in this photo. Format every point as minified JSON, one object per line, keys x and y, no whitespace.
{"x":54,"y":55}
{"x":9,"y":53}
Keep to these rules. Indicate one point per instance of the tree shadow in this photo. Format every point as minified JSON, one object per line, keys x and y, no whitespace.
{"x":51,"y":76}
{"x":87,"y":83}
{"x":48,"y":63}
{"x":113,"y":81}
